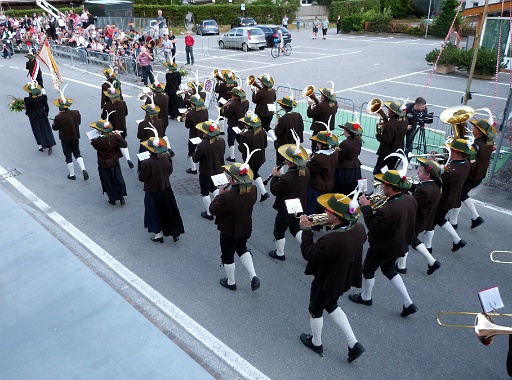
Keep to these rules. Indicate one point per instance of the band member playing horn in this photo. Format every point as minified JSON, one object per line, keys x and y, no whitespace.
{"x":233,"y":110}
{"x":195,"y":87}
{"x":456,"y":172}
{"x":391,"y":136}
{"x":348,"y":171}
{"x":233,"y":211}
{"x":196,"y":114}
{"x":146,"y":127}
{"x":118,"y":119}
{"x":172,"y":85}
{"x":263,"y":97}
{"x":335,"y":270}
{"x":255,"y":138}
{"x":285,"y":124}
{"x":322,"y":112}
{"x":161,"y":100}
{"x":293,"y":184}
{"x":390,"y":231}
{"x":322,"y":166}
{"x":226,"y":81}
{"x":112,"y":79}
{"x":209,"y":154}
{"x":483,"y":132}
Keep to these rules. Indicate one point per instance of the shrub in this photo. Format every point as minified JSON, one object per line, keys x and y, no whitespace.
{"x":449,"y":56}
{"x":399,"y":8}
{"x":379,"y":21}
{"x":415,"y":31}
{"x":485,"y":61}
{"x":353,"y":22}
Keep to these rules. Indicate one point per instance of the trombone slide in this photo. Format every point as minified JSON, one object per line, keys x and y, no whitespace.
{"x":491,"y":256}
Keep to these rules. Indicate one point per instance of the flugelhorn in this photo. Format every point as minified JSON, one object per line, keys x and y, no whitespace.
{"x":457,"y":117}
{"x":251,"y":82}
{"x":375,"y":106}
{"x":185,"y":92}
{"x":309,"y":92}
{"x":377,"y":200}
{"x":491,"y":256}
{"x":216,"y":75}
{"x":319,"y":219}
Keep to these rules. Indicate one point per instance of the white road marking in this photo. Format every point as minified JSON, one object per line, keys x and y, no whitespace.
{"x":14,"y":67}
{"x":381,"y":81}
{"x":230,"y":357}
{"x":474,"y":94}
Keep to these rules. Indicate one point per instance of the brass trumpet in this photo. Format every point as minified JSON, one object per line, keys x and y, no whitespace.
{"x":309,"y":92}
{"x":319,"y":219}
{"x":185,"y":92}
{"x":491,"y":256}
{"x":375,"y":106}
{"x":182,"y":117}
{"x":216,"y":75}
{"x":251,"y":82}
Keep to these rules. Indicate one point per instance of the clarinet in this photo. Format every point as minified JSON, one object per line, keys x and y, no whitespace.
{"x":270,"y":176}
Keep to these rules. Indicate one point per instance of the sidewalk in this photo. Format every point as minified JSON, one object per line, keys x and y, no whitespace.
{"x":59,"y":320}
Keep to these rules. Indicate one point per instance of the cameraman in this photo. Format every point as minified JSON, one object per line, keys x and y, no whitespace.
{"x":416,"y":113}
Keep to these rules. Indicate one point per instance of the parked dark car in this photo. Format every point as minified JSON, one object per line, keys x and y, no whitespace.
{"x":271,"y":34}
{"x":243,"y":21}
{"x":207,"y":27}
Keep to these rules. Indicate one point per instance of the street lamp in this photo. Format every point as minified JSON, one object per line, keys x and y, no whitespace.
{"x":428,"y":17}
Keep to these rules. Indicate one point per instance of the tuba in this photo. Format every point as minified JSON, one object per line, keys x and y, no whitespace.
{"x":457,"y":117}
{"x":309,"y":92}
{"x":375,"y":106}
{"x":251,"y":82}
{"x":216,"y":75}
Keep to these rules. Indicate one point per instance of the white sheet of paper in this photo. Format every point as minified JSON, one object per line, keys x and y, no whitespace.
{"x":237,"y":130}
{"x":143,"y":155}
{"x":93,"y":134}
{"x":490,"y":299}
{"x":220,"y":179}
{"x":137,"y":122}
{"x":195,"y":140}
{"x":222,"y":101}
{"x":293,"y":206}
{"x":363,"y":182}
{"x":271,"y":107}
{"x":384,"y":169}
{"x":182,"y":110}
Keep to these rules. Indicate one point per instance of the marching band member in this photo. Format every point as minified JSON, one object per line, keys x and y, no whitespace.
{"x":322,"y":165}
{"x":484,"y":133}
{"x":172,"y":85}
{"x":335,"y":270}
{"x":118,"y":119}
{"x":161,"y":214}
{"x":233,"y":110}
{"x":145,"y":128}
{"x":209,"y":154}
{"x":290,"y":121}
{"x":67,"y":122}
{"x":392,"y":136}
{"x":255,"y":138}
{"x":292,"y":184}
{"x":161,"y":100}
{"x":111,"y":80}
{"x":323,"y":113}
{"x":196,"y":114}
{"x":224,"y":85}
{"x":195,"y":87}
{"x":390,"y":231}
{"x":348,"y":171}
{"x":31,"y":66}
{"x":233,"y":211}
{"x":262,"y":98}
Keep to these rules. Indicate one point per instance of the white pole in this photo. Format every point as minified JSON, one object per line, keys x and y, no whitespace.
{"x":428,"y":18}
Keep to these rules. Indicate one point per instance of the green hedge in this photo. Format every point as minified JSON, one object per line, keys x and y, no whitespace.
{"x":353,"y":7}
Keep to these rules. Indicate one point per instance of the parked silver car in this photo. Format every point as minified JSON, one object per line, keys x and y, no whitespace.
{"x":244,"y":38}
{"x":207,"y":27}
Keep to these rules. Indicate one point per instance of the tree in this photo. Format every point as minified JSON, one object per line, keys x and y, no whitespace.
{"x":441,"y":25}
{"x":399,"y":8}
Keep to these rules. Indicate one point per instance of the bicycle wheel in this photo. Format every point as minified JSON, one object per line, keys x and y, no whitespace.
{"x":275,"y":51}
{"x":287,"y":49}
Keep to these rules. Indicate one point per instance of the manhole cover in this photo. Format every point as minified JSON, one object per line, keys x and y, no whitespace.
{"x":186,"y":186}
{"x":10,"y":173}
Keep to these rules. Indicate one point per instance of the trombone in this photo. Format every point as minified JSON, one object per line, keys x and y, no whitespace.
{"x":491,"y":256}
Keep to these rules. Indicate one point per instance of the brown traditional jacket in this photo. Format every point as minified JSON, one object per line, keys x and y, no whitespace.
{"x":287,"y":122}
{"x":321,"y":112}
{"x":68,"y":125}
{"x":144,"y":134}
{"x":155,"y":172}
{"x":453,"y":179}
{"x":194,"y":117}
{"x":234,"y":110}
{"x":254,"y":141}
{"x":224,"y":90}
{"x":348,"y":156}
{"x":289,"y":186}
{"x":478,"y":169}
{"x":392,"y":137}
{"x":262,"y":98}
{"x":118,"y":118}
{"x":210,"y":156}
{"x":321,"y":171}
{"x":162,"y":101}
{"x":107,"y":149}
{"x":427,"y":195}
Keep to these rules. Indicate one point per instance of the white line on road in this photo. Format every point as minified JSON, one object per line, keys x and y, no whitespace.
{"x":381,"y":81}
{"x":230,"y":357}
{"x":474,"y":94}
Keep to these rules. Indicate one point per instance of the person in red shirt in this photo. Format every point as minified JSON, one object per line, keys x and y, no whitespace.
{"x":189,"y":48}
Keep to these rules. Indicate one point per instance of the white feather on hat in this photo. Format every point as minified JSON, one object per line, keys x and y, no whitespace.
{"x":108,"y":115}
{"x":354,"y":203}
{"x":405,"y":163}
{"x":291,"y":92}
{"x":297,"y":142}
{"x":245,"y":165}
{"x":156,"y":140}
{"x":62,"y":93}
{"x":490,"y":119}
{"x":470,"y":139}
{"x":112,"y":89}
{"x":332,"y":86}
{"x":327,"y":126}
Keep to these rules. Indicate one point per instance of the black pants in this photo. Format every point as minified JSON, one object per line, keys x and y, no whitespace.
{"x":391,"y":163}
{"x":147,"y":72}
{"x":320,"y":301}
{"x":206,"y":185}
{"x":231,"y":135}
{"x":373,"y":261}
{"x":440,"y":217}
{"x":70,"y":148}
{"x":265,"y":122}
{"x":284,"y":222}
{"x":467,"y":187}
{"x":228,"y":247}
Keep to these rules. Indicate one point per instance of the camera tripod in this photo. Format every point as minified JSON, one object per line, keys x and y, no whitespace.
{"x":420,"y":147}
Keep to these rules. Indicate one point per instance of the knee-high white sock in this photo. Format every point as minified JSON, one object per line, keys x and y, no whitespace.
{"x":259,"y":184}
{"x":192,"y":164}
{"x":423,"y":250}
{"x":230,"y":273}
{"x":401,"y":262}
{"x":280,"y":247}
{"x":71,"y":169}
{"x":316,"y":330}
{"x":80,"y":161}
{"x":272,"y":134}
{"x":206,"y":203}
{"x":298,"y":236}
{"x":449,"y":228}
{"x":126,"y":153}
{"x":232,"y":151}
{"x":246,"y":260}
{"x":221,"y":124}
{"x":367,"y":288}
{"x":471,"y":206}
{"x":399,"y":284}
{"x":340,"y":318}
{"x":215,"y":193}
{"x":429,"y":235}
{"x":454,"y":217}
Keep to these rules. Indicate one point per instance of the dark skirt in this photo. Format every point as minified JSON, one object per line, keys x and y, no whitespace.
{"x":173,"y":105}
{"x":42,"y":131}
{"x":345,"y":179}
{"x":161,"y":213}
{"x":112,"y":182}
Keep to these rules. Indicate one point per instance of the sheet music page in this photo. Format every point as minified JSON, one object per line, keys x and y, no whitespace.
{"x":490,"y":299}
{"x":237,"y":130}
{"x":93,"y":134}
{"x":271,"y":107}
{"x":195,"y":140}
{"x":220,"y":179}
{"x":143,"y":155}
{"x":222,"y":101}
{"x":293,"y":206}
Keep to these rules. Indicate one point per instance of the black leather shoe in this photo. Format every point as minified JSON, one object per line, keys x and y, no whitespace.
{"x":130,"y":164}
{"x":411,"y":309}
{"x":355,"y":352}
{"x":224,"y":283}
{"x":230,"y":159}
{"x":476,"y":222}
{"x":264,"y":197}
{"x":432,"y":268}
{"x":400,"y":270}
{"x":50,"y":151}
{"x":72,"y":177}
{"x":307,"y":340}
{"x":455,"y":226}
{"x":113,"y":203}
{"x":41,"y":149}
{"x":205,"y":215}
{"x":175,"y":238}
{"x":122,"y":201}
{"x":357,"y":298}
{"x":459,"y":245}
{"x":274,"y":255}
{"x":158,"y":240}
{"x":86,"y":175}
{"x":190,"y":171}
{"x":255,"y":283}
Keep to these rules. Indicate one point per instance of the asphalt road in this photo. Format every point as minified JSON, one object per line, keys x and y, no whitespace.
{"x":264,"y":326}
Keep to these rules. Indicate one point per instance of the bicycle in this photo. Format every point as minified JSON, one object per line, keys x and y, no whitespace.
{"x":276,"y":51}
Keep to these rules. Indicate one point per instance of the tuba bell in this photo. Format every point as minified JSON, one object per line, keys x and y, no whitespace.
{"x":251,"y":82}
{"x":457,"y":117}
{"x":216,"y":75}
{"x":375,"y":106}
{"x":309,"y":92}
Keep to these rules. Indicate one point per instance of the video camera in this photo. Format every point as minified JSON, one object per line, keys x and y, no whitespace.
{"x":425,"y":118}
